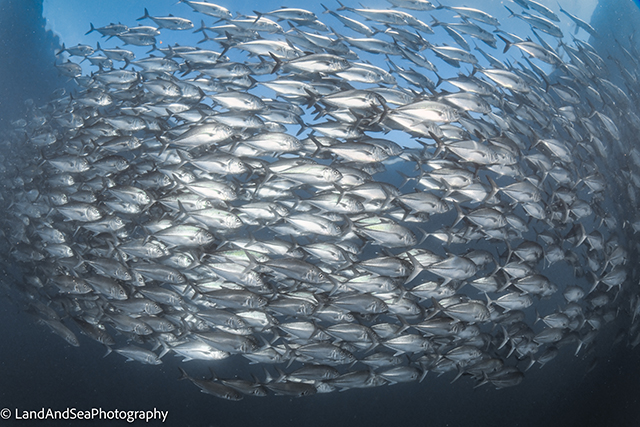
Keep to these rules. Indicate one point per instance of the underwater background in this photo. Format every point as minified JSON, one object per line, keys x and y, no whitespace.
{"x":38,"y":369}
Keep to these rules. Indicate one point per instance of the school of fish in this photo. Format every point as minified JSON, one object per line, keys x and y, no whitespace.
{"x":270,"y":195}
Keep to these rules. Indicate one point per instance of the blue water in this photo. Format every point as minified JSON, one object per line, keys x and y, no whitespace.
{"x":37,"y":369}
{"x":40,"y":370}
{"x":27,"y":50}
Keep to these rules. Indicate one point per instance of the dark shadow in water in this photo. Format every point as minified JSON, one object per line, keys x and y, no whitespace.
{"x":27,"y":55}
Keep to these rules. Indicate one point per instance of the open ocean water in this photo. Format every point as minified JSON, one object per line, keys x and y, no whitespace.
{"x":40,"y":370}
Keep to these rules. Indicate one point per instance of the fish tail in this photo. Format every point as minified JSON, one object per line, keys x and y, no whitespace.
{"x":202,"y":27}
{"x":512,"y":13}
{"x":507,"y":43}
{"x":183,"y":374}
{"x":206,"y":37}
{"x":146,"y":15}
{"x":278,"y":63}
{"x":417,"y":268}
{"x":436,"y":307}
{"x":494,"y":189}
{"x":109,"y":351}
{"x":439,"y":143}
{"x":91,"y":30}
